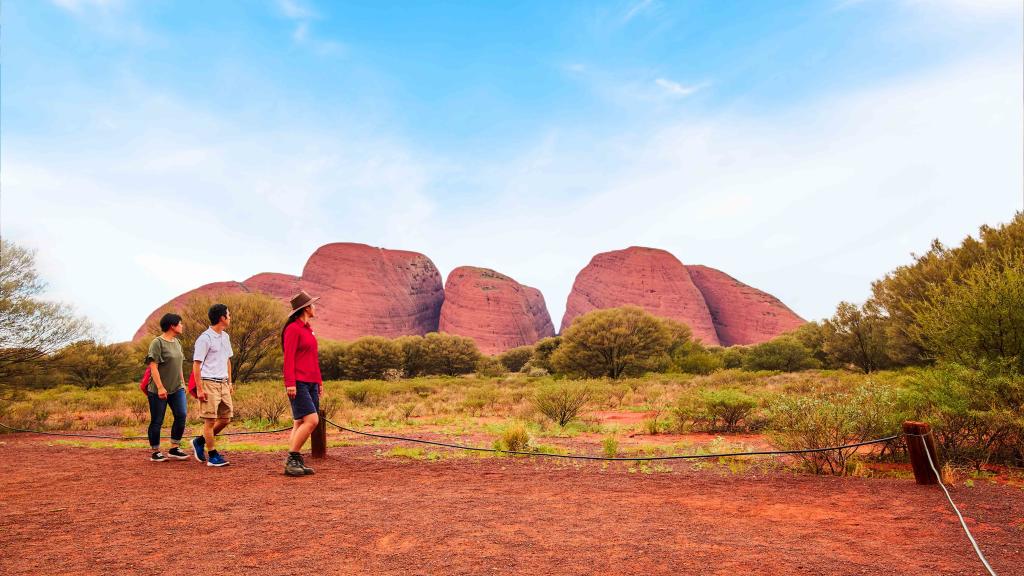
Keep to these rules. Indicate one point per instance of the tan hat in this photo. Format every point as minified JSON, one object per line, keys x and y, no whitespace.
{"x":301,"y":300}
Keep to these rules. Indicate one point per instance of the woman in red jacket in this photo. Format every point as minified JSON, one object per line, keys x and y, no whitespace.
{"x":302,"y":379}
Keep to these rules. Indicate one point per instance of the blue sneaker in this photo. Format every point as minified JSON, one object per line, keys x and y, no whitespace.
{"x":199,"y":448}
{"x":216,"y":460}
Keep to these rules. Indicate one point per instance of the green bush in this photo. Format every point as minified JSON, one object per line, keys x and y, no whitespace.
{"x":784,"y":353}
{"x":370,"y":356}
{"x":728,"y":406}
{"x":360,"y":392}
{"x":90,"y":364}
{"x":733,"y":356}
{"x":449,"y":355}
{"x":977,"y":415}
{"x":823,"y":420}
{"x":610,"y":446}
{"x":561,"y":402}
{"x":332,"y":359}
{"x":490,"y":367}
{"x":513,"y":360}
{"x":695,"y":359}
{"x":514,"y":438}
{"x":614,"y":343}
{"x":542,"y":351}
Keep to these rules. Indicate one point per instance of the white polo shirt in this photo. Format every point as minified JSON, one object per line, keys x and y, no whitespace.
{"x":213,"y":350}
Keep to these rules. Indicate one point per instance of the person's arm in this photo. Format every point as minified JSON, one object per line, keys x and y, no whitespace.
{"x":197,"y":371}
{"x":231,"y":383}
{"x":154,"y":373}
{"x":155,"y":357}
{"x":289,"y":348}
{"x":198,"y":357}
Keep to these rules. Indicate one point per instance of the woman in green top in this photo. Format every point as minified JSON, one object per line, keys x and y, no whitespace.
{"x":167,"y":387}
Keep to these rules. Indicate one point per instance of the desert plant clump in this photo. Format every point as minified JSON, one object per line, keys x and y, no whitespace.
{"x":514,"y":438}
{"x":728,"y":406}
{"x":513,"y":360}
{"x":561,"y":402}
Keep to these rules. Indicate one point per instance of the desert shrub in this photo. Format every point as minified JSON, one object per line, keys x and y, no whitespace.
{"x":733,"y":356}
{"x":823,"y":420}
{"x":977,"y":415}
{"x":561,"y":402}
{"x":610,"y":446}
{"x":693,"y":358}
{"x":514,"y":438}
{"x":812,"y":337}
{"x":267,"y":403}
{"x":513,"y":360}
{"x":858,"y":335}
{"x":393,"y":374}
{"x":360,"y":392}
{"x":332,"y":359}
{"x":784,"y":353}
{"x":479,"y":398}
{"x":614,"y":343}
{"x":448,"y":354}
{"x":728,"y":406}
{"x":370,"y":356}
{"x":542,"y":351}
{"x":91,"y":364}
{"x":490,"y":367}
{"x":414,"y":361}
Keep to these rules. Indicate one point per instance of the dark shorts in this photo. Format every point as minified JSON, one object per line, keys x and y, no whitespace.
{"x":306,"y":401}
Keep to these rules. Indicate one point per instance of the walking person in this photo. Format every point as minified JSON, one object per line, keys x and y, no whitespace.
{"x":211,"y":360}
{"x":166,"y":388}
{"x":302,"y":379}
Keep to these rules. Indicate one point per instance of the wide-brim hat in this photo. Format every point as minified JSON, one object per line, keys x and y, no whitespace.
{"x":301,"y":300}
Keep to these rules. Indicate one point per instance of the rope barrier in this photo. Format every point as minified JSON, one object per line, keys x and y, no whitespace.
{"x":607,"y":458}
{"x":107,"y":437}
{"x":967,"y":531}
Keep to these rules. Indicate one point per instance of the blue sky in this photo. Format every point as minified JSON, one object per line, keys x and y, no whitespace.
{"x":806,"y":148}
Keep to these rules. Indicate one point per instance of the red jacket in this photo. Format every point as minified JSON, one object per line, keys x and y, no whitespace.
{"x":301,"y":361}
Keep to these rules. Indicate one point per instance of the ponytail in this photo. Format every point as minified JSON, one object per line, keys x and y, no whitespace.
{"x":295,"y":316}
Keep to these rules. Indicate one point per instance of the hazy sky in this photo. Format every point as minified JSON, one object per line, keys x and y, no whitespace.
{"x":805,"y":148}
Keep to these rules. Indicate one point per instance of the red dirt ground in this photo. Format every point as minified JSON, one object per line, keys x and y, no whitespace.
{"x":67,"y":510}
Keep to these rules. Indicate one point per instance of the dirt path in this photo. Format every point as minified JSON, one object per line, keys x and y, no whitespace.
{"x":70,"y":510}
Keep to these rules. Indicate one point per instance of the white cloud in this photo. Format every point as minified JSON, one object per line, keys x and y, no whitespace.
{"x":677,"y":90}
{"x":302,"y":16}
{"x":636,"y":9}
{"x":78,"y":6}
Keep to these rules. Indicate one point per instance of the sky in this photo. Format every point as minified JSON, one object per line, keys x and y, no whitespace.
{"x":805,"y":148}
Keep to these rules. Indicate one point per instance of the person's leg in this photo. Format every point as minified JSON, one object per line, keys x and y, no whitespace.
{"x":157,"y":409}
{"x":302,"y":430}
{"x":221,"y":424}
{"x":209,"y":434}
{"x":179,"y":410}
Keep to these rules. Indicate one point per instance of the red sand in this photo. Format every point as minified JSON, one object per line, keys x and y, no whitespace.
{"x":70,"y":510}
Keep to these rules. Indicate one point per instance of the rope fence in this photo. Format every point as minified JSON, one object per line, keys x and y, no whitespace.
{"x":125,"y":438}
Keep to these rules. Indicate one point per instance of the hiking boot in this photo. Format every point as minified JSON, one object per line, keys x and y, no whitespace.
{"x":177,"y":454}
{"x":158,"y":456}
{"x":306,"y":469}
{"x":216,"y":459}
{"x":292,"y":467}
{"x":199,"y":448}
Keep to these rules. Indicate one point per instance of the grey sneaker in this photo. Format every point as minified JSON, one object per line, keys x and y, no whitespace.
{"x":292,"y":467}
{"x":306,"y":469}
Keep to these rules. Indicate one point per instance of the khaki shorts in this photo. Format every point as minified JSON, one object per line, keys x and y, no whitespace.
{"x":218,"y":400}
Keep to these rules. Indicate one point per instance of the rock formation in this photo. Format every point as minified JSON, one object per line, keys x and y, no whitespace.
{"x":652,"y":279}
{"x":742,"y":314}
{"x":364,"y":291}
{"x":493,"y":309}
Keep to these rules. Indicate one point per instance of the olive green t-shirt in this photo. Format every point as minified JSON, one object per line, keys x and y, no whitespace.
{"x":168,"y":356}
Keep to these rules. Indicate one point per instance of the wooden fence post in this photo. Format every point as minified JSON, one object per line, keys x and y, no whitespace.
{"x":319,"y":437}
{"x":919,"y":435}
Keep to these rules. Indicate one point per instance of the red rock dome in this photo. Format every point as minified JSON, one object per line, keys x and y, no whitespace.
{"x":493,"y":309}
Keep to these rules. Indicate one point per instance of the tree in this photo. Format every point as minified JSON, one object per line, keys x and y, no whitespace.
{"x":542,"y":351}
{"x":332,"y":358}
{"x":614,"y":342}
{"x":908,"y":287}
{"x":516,"y":358}
{"x":256,"y":324}
{"x":693,"y":358}
{"x":31,"y":329}
{"x":91,"y":364}
{"x":979,"y":319}
{"x":370,"y":357}
{"x":857,"y":336}
{"x":812,"y":336}
{"x":414,"y":362}
{"x":784,"y":353}
{"x":449,"y":354}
